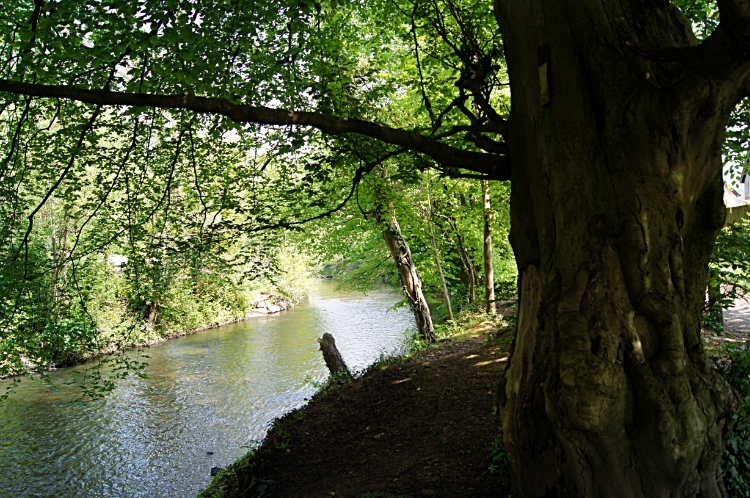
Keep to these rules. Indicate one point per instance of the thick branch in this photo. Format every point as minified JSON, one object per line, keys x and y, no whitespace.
{"x":497,"y":167}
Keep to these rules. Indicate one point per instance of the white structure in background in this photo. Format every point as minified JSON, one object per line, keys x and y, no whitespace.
{"x":736,"y":199}
{"x":118,"y":260}
{"x":736,"y":191}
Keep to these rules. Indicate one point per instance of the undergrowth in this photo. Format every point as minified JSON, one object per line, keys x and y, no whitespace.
{"x":735,"y":368}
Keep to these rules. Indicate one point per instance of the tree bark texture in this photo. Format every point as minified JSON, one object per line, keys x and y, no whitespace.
{"x":616,"y":203}
{"x":410,"y":281}
{"x":151,"y":314}
{"x":489,"y":274}
{"x":332,"y":357}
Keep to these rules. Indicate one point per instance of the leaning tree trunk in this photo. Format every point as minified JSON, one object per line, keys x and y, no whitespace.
{"x":407,"y":271}
{"x":332,"y":357}
{"x":385,"y":215}
{"x":616,"y":203}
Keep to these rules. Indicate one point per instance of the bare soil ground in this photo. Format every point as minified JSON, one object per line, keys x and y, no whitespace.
{"x":417,"y":428}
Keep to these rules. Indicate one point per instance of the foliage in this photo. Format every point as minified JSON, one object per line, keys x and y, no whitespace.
{"x":500,"y":463}
{"x":184,"y":198}
{"x":226,"y":481}
{"x":728,"y":280}
{"x":735,"y":368}
{"x":704,"y":15}
{"x":353,"y":245}
{"x":332,"y":383}
{"x":728,"y":271}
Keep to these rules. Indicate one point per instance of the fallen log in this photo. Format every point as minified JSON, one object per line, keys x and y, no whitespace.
{"x":332,"y":357}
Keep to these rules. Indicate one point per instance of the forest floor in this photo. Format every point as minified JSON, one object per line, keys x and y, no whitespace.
{"x":422,"y":427}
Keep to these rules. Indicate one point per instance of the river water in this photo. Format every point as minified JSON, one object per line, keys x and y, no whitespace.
{"x":215,"y":391}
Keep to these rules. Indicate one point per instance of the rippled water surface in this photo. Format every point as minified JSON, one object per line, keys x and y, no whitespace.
{"x":215,"y":391}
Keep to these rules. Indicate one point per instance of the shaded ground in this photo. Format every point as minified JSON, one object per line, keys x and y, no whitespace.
{"x":419,"y":428}
{"x":737,"y":320}
{"x":736,"y":328}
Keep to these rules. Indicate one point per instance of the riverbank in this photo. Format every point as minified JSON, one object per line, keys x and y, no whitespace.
{"x":204,"y":401}
{"x":265,"y":303}
{"x":423,"y":426}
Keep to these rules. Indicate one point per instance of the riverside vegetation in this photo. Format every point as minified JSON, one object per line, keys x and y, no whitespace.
{"x":200,"y":140}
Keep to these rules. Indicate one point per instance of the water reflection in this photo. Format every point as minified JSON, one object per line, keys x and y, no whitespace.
{"x":210,"y":392}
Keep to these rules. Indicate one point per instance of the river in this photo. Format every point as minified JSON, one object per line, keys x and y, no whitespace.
{"x":208,"y":398}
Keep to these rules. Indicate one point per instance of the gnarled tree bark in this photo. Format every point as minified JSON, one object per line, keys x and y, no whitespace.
{"x":616,"y":203}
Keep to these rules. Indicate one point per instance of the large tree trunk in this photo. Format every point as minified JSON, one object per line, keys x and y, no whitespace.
{"x":616,"y":202}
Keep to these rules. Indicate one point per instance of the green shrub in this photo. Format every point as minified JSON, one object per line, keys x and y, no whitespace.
{"x":735,"y":367}
{"x":728,"y":272}
{"x":500,"y":463}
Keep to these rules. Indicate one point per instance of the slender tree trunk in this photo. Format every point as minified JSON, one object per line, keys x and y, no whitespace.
{"x":468,"y":274}
{"x":59,"y":239}
{"x":428,"y":214}
{"x":470,"y":278}
{"x":616,"y":203}
{"x":489,"y":276}
{"x":468,"y":268}
{"x":436,"y":254}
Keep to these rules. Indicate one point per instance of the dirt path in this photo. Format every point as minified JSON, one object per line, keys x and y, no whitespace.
{"x":421,"y":428}
{"x":737,"y":320}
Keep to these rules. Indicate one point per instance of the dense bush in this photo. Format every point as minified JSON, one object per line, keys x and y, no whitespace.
{"x":735,"y":367}
{"x":728,"y":280}
{"x":728,"y":272}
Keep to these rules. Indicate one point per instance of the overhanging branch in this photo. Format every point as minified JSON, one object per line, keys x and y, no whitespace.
{"x":496,"y":166}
